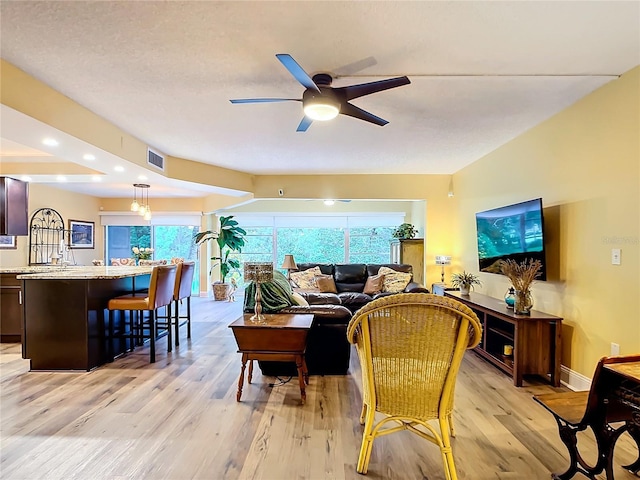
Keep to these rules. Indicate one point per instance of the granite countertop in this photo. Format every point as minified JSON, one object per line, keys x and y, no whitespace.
{"x":36,"y":268}
{"x":84,"y":273}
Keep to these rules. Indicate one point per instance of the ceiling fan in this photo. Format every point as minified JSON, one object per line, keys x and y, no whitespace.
{"x":321,"y":101}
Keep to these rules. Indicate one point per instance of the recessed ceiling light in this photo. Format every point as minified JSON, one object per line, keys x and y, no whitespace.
{"x":61,"y":178}
{"x":52,"y":142}
{"x":96,"y":178}
{"x":142,"y":177}
{"x":25,"y":178}
{"x":118,"y":168}
{"x":89,"y":157}
{"x":328,"y":203}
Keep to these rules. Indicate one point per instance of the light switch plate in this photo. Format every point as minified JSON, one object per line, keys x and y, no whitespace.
{"x":615,"y":349}
{"x":615,"y":256}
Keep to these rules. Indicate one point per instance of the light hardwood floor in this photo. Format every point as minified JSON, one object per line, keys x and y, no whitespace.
{"x":178,"y":419}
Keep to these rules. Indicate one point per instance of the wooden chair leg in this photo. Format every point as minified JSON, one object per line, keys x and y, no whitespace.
{"x":177,"y":321}
{"x":132,"y":331}
{"x":110,"y":336}
{"x":139,"y":315}
{"x":188,"y":317}
{"x":152,"y":336}
{"x":169,"y":334}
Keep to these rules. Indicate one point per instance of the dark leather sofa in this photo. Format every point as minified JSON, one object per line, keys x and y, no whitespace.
{"x":350,"y":279}
{"x":328,"y":351}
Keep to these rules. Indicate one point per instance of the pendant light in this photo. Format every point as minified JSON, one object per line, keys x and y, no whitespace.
{"x":140,"y":204}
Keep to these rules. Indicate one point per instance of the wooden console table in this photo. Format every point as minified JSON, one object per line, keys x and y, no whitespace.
{"x":281,"y":338}
{"x":536,"y":338}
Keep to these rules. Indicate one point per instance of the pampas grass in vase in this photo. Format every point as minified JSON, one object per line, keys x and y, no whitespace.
{"x":522,"y":276}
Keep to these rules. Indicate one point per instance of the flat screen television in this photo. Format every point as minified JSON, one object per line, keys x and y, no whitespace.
{"x":513,"y":232}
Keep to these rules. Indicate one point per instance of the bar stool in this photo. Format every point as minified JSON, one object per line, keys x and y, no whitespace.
{"x":182,"y":290}
{"x":160,"y":294}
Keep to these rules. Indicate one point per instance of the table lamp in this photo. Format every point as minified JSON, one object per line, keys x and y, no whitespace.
{"x":258,"y":272}
{"x":443,"y":260}
{"x":289,"y":264}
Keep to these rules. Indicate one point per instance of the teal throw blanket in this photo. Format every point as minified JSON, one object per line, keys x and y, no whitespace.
{"x":276,"y":294}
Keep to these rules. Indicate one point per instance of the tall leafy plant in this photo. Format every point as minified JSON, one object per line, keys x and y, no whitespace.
{"x":230,"y":239}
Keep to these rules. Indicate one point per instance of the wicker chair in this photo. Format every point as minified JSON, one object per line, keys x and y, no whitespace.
{"x":410,"y":348}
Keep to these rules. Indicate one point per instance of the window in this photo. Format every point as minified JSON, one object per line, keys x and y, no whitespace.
{"x":321,"y":239}
{"x":308,"y":244}
{"x":168,"y":241}
{"x":121,"y":239}
{"x":370,"y":244}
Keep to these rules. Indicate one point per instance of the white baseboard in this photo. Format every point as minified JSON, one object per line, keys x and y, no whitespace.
{"x":574,"y":380}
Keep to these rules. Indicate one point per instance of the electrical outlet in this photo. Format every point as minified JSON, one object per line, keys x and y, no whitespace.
{"x":615,"y":256}
{"x":615,"y":349}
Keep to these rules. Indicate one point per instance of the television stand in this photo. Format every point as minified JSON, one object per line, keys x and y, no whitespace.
{"x":536,"y":339}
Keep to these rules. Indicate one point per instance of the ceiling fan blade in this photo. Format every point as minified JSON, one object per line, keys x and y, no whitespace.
{"x":305,"y":123}
{"x":355,"y":91}
{"x":265,"y":100}
{"x":356,"y":112}
{"x":297,"y":71}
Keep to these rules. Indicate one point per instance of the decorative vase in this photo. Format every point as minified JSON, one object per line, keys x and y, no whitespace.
{"x":523,"y":302}
{"x":465,"y":288}
{"x":510,"y":297}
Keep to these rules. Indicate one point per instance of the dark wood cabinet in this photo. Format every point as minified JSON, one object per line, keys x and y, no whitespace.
{"x":10,"y":308}
{"x":14,"y":206}
{"x":535,"y":339}
{"x":411,"y":252}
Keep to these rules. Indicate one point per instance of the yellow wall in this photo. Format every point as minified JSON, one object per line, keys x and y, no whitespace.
{"x":585,"y":164}
{"x":437,"y":214}
{"x":71,"y":206}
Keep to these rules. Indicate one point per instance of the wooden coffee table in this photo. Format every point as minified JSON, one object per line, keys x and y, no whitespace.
{"x":280,"y":338}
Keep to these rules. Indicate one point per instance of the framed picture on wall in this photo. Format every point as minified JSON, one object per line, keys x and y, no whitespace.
{"x":7,"y":241}
{"x":82,"y":234}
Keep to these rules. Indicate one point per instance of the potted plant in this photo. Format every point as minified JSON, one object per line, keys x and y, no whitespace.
{"x":465,"y":281}
{"x":230,"y":239}
{"x":404,"y":231}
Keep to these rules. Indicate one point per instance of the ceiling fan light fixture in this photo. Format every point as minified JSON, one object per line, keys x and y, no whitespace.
{"x":321,"y":108}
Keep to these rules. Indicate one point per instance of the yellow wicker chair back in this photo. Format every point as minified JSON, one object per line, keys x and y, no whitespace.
{"x":410,"y":348}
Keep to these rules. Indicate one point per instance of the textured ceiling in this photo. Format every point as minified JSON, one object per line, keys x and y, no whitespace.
{"x":481,"y":72}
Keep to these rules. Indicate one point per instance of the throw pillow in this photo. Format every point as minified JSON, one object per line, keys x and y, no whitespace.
{"x":394,"y":282}
{"x":326,"y":284}
{"x":374,"y":284}
{"x":300,"y":300}
{"x":305,"y":280}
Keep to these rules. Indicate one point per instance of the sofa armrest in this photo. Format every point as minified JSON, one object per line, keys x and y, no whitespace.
{"x":323,"y":314}
{"x":320,"y":310}
{"x":415,"y":287}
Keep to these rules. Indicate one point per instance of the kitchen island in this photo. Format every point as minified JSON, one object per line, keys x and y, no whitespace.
{"x":11,"y":300}
{"x":65,"y":316}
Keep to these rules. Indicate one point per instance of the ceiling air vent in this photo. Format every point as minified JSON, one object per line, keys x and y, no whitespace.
{"x":155,"y":159}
